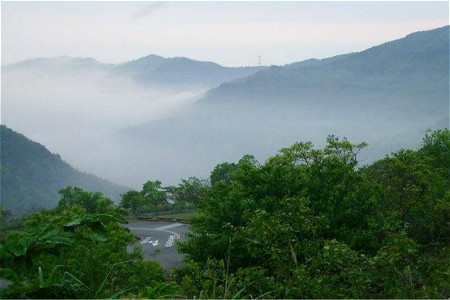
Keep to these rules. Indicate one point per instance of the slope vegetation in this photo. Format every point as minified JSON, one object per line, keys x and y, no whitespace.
{"x":388,"y":96}
{"x":31,"y":176}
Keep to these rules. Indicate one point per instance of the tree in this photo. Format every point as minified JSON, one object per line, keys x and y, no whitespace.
{"x":189,"y":192}
{"x":222,"y":172}
{"x":314,"y":225}
{"x":133,"y":200}
{"x":92,"y":202}
{"x":153,"y":193}
{"x":69,"y":253}
{"x":4,"y":215}
{"x":436,"y":146}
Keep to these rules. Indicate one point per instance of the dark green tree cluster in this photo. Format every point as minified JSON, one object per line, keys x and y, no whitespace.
{"x":150,"y":197}
{"x":91,"y":202}
{"x":31,"y":176}
{"x":189,"y":192}
{"x":77,"y":250}
{"x":5,"y":215}
{"x":153,"y":196}
{"x":309,"y":223}
{"x":222,"y":172}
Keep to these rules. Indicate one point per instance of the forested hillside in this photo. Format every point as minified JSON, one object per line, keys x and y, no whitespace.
{"x":307,"y":223}
{"x":180,"y":72}
{"x":31,"y":176}
{"x":310,"y":223}
{"x":61,"y":64}
{"x":387,"y":95}
{"x":225,"y":150}
{"x":151,"y":71}
{"x":409,"y":74}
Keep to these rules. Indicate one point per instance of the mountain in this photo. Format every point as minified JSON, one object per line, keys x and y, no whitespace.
{"x":410,"y":74}
{"x":177,"y":73}
{"x":31,"y":176}
{"x":388,"y":96}
{"x":46,"y":98}
{"x":180,"y":72}
{"x":61,"y":64}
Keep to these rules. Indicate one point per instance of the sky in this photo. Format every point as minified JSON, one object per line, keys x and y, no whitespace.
{"x":229,"y":33}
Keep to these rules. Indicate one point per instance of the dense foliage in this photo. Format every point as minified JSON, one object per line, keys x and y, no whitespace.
{"x":77,"y":250}
{"x":310,"y":224}
{"x":154,"y":197}
{"x":189,"y":192}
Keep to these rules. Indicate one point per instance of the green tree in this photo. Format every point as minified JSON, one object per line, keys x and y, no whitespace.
{"x":222,"y":172}
{"x":70,"y":253}
{"x":133,"y":200}
{"x":189,"y":192}
{"x":92,"y":202}
{"x":153,"y":193}
{"x":317,"y":226}
{"x":436,"y":146}
{"x":5,"y":215}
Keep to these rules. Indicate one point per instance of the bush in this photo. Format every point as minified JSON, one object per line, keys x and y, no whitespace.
{"x":317,"y":226}
{"x":74,"y":254}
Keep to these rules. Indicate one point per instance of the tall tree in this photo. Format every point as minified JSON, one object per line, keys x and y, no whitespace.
{"x":153,"y":193}
{"x":189,"y":192}
{"x":133,"y":200}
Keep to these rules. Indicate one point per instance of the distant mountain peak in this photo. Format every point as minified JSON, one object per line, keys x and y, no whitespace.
{"x":180,"y":72}
{"x":58,"y":63}
{"x":412,"y":65}
{"x":147,"y":58}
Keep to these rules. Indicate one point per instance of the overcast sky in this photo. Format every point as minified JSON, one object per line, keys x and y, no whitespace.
{"x":231,"y":34}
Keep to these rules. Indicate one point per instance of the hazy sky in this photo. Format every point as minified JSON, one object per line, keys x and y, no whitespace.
{"x":229,"y":33}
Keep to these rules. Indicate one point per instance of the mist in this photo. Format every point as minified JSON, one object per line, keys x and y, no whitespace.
{"x":168,"y":119}
{"x":201,"y":138}
{"x":76,"y":114}
{"x":126,"y":133}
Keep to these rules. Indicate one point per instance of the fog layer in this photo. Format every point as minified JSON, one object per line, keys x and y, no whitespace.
{"x":148,"y":119}
{"x":74,"y":114}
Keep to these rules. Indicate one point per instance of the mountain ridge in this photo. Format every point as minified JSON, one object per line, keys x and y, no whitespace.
{"x":386,"y":100}
{"x":151,"y":70}
{"x":312,"y":73}
{"x":31,"y":176}
{"x":181,"y":71}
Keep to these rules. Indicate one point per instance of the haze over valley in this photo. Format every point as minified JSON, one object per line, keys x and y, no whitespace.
{"x":170,"y":118}
{"x":235,"y":150}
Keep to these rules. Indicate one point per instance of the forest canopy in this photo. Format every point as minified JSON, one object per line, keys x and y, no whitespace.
{"x":310,"y":223}
{"x":307,"y":223}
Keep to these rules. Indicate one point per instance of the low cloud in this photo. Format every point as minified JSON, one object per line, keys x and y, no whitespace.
{"x":76,"y":115}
